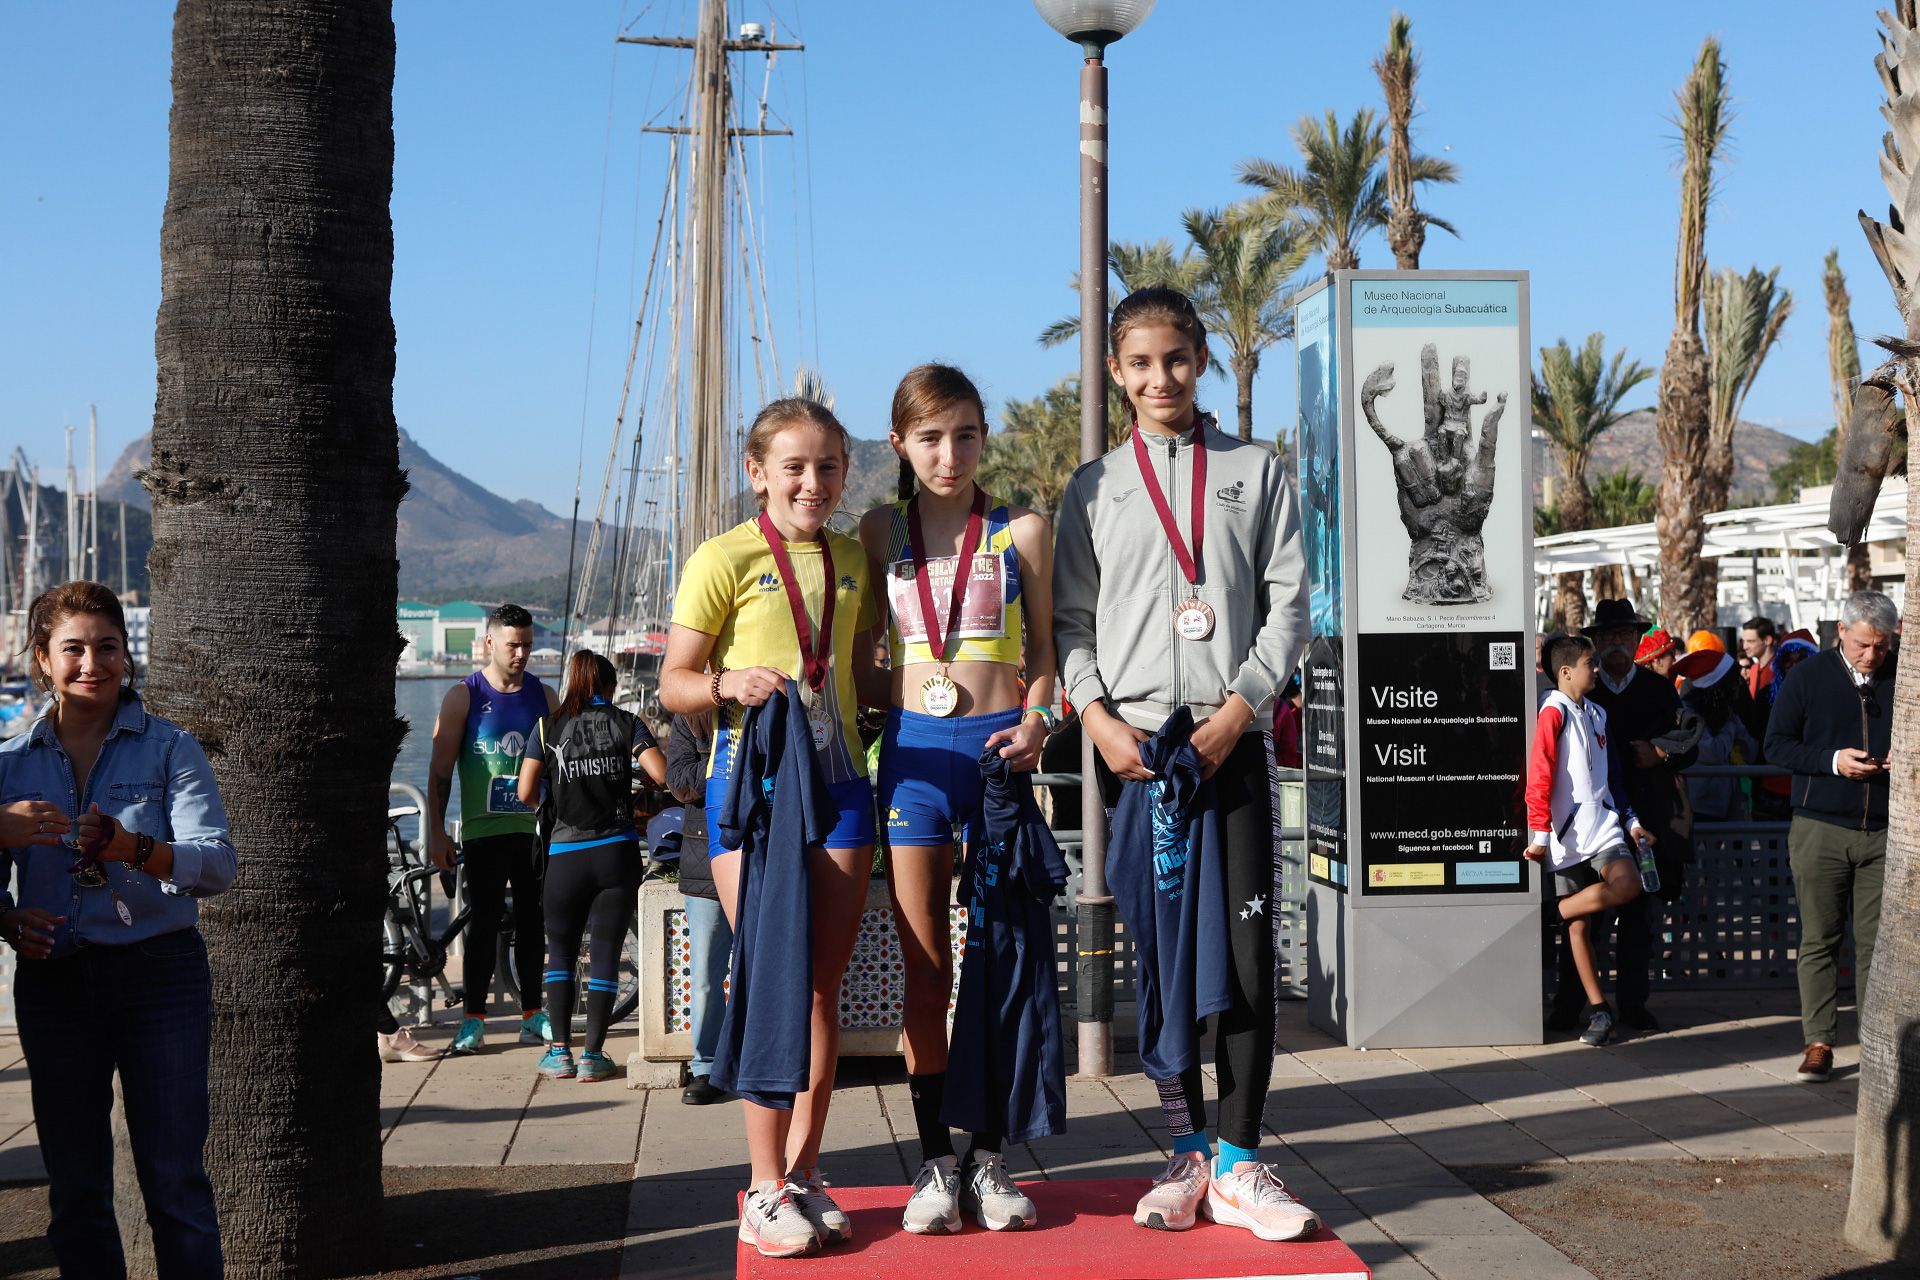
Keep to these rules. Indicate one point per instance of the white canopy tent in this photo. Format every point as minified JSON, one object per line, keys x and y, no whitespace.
{"x":1780,"y":555}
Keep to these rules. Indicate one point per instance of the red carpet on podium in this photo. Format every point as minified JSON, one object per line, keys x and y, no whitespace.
{"x":1086,"y":1232}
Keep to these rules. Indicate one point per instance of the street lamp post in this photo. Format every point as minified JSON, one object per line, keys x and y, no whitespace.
{"x":1093,"y":25}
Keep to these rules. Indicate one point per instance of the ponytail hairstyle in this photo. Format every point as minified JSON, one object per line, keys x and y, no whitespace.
{"x":1156,"y":305}
{"x":589,"y":676}
{"x":54,"y":606}
{"x":928,"y":389}
{"x":792,"y":411}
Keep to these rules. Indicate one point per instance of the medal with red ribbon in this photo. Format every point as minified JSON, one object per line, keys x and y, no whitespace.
{"x":1192,"y":617}
{"x":939,"y":695}
{"x":813,"y":650}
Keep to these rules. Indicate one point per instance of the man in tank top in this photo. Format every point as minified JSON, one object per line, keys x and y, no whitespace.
{"x":482,"y":731}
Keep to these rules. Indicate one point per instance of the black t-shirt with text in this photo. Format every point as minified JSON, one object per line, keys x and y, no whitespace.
{"x":589,"y":768}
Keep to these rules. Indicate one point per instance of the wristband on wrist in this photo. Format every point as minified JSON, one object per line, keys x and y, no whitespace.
{"x":1046,"y":716}
{"x":142,"y":850}
{"x":713,"y":687}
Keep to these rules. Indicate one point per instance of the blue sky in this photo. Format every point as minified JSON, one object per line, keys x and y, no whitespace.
{"x":929,"y":207}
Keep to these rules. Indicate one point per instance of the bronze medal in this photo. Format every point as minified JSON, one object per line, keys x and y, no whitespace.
{"x":939,"y":695}
{"x":1193,"y":619}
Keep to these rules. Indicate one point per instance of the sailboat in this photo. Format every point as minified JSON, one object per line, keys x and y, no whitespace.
{"x":703,"y":335}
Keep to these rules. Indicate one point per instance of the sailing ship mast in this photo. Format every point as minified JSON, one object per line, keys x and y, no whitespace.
{"x":709,"y":386}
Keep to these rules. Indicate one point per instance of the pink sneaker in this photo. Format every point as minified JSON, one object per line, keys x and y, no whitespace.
{"x":1169,"y":1204}
{"x":1252,"y":1196}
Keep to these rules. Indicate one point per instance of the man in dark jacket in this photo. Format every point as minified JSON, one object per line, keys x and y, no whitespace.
{"x":1643,"y":715}
{"x":1832,"y":724}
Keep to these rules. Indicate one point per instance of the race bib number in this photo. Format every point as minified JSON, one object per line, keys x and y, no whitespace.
{"x":983,"y":613}
{"x":503,"y":795}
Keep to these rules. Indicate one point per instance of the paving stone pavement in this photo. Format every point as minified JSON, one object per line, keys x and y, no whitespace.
{"x":1366,"y":1138}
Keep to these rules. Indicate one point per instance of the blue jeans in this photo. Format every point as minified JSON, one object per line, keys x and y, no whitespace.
{"x":146,"y":1010}
{"x":712,"y":953}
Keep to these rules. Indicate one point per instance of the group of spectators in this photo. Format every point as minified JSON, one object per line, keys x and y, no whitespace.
{"x":1824,"y":716}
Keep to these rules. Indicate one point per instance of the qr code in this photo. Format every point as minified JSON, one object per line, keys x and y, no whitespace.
{"x":1500,"y":656}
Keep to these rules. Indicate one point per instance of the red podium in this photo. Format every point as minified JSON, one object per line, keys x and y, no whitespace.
{"x":1086,"y":1232}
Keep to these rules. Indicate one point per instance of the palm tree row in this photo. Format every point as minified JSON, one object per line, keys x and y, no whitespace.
{"x":1240,"y":262}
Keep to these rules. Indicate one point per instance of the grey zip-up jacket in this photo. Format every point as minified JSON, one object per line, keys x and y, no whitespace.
{"x":1116,"y":582}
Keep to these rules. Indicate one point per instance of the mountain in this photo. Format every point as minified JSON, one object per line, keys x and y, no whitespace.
{"x":1635,"y":445}
{"x":454,"y":534}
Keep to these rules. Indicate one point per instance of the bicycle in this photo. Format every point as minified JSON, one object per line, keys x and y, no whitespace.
{"x":411,"y":950}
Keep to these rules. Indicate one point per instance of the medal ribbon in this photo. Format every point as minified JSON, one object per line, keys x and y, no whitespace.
{"x":813,"y":657}
{"x":916,"y":541}
{"x":1189,"y":564}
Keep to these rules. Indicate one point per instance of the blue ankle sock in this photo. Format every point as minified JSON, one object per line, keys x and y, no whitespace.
{"x":1231,"y":1155}
{"x":1193,"y":1142}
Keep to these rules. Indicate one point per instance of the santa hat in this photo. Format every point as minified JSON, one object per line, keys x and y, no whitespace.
{"x":1803,"y":635}
{"x":1653,"y":644}
{"x":1701,"y":669}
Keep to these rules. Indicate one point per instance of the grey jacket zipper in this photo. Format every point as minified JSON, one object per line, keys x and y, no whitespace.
{"x":1173,"y":563}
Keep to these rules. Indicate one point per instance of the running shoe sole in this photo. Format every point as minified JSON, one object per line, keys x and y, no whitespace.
{"x":749,"y":1236}
{"x":938,"y":1227}
{"x":1157,"y":1221}
{"x":1228,"y":1216}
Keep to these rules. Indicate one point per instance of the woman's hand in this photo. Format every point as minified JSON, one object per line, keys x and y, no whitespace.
{"x":29,"y":930}
{"x":1022,"y":744}
{"x":26,"y":822}
{"x":1118,"y":742}
{"x":752,"y":686}
{"x":95,"y":832}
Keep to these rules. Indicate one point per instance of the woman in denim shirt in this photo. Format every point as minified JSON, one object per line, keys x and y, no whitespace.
{"x":112,"y":821}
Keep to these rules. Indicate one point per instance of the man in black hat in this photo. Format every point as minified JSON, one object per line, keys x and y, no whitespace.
{"x":1643,"y":715}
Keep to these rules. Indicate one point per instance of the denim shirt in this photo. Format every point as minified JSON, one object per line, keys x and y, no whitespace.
{"x":154,"y":778}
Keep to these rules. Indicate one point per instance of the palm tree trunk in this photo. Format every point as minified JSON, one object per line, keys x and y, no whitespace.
{"x":1859,"y":568}
{"x":1687,"y":579}
{"x":1342,"y":257}
{"x":1883,"y":1212}
{"x":1243,"y":371}
{"x":276,"y":483}
{"x":1575,"y":513}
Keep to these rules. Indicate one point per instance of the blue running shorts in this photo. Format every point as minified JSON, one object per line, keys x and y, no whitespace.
{"x":853,"y":830}
{"x":930,"y":773}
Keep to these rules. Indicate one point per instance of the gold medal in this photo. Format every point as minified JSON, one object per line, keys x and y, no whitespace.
{"x":1193,"y":619}
{"x":939,"y":695}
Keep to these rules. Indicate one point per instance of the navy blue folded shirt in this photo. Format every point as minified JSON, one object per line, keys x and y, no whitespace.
{"x":777,"y":807}
{"x":1166,"y":864}
{"x":1006,"y":1072}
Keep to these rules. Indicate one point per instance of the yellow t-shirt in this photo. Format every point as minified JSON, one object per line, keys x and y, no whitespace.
{"x":731,"y":590}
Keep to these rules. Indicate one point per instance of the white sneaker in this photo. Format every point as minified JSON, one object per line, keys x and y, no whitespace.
{"x":402,"y":1047}
{"x":809,"y":1192}
{"x":772,"y":1223}
{"x":1251,"y":1195}
{"x":934,"y":1207}
{"x":997,"y":1204}
{"x":1170,"y":1202}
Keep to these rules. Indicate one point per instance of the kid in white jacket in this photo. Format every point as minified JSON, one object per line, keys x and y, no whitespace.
{"x":1578,"y":826}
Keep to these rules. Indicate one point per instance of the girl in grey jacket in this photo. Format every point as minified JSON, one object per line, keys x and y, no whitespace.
{"x":1178,"y":581}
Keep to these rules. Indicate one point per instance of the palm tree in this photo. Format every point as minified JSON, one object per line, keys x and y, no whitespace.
{"x":1744,"y":315}
{"x":1244,"y":294}
{"x":276,"y":485}
{"x":1576,"y":400}
{"x":1843,"y":372}
{"x":1619,"y":498}
{"x":1398,"y":67}
{"x":1033,"y":455}
{"x":1338,"y":191}
{"x":1883,"y":1213}
{"x":1686,"y":599}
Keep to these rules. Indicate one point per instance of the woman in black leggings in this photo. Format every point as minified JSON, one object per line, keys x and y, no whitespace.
{"x":586,"y":751}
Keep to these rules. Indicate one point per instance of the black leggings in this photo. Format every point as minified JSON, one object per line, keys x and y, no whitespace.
{"x":491,"y":863}
{"x":589,"y":889}
{"x":1243,"y":1057}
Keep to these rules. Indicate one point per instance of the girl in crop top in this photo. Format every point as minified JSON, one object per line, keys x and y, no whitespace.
{"x":968,"y":581}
